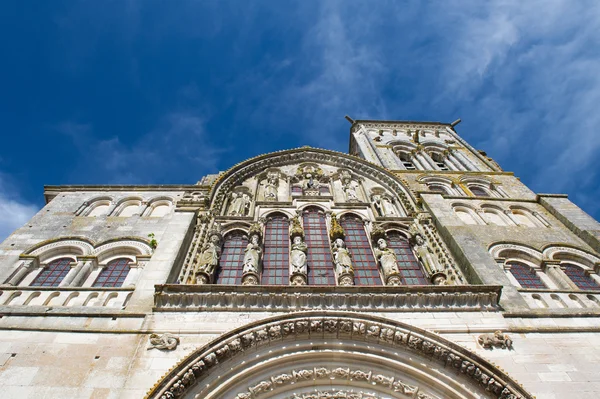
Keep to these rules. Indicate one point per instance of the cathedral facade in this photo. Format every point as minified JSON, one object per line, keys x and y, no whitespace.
{"x":411,"y":267}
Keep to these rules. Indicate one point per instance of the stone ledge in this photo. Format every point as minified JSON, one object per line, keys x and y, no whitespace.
{"x":193,"y":298}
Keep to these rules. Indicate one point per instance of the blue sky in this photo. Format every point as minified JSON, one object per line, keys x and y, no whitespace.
{"x":143,"y":92}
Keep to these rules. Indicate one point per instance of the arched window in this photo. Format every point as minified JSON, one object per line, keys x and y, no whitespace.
{"x":406,"y":161}
{"x":478,"y":191}
{"x":320,"y":264}
{"x":229,"y":270}
{"x":114,"y":274}
{"x":526,"y":276}
{"x":99,"y":210}
{"x":160,"y":210}
{"x":53,"y":273}
{"x":437,"y":188}
{"x":276,"y":251}
{"x":580,"y":278}
{"x":410,"y":268}
{"x":129,"y":210}
{"x":365,"y":266}
{"x":439,"y":160}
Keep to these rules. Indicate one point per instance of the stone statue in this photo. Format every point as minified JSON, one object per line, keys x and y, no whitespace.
{"x":208,"y":260}
{"x":271,"y":187}
{"x":310,"y":182}
{"x":240,"y":204}
{"x":252,"y":255}
{"x":350,"y":190}
{"x":383,"y":205}
{"x":429,"y":262}
{"x":343,"y":262}
{"x":165,"y":341}
{"x":388,"y":261}
{"x":298,"y":255}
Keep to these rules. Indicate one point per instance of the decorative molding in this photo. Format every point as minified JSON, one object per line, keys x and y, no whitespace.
{"x":142,"y":247}
{"x":214,"y":298}
{"x":338,"y":375}
{"x":347,"y":327}
{"x":86,"y":248}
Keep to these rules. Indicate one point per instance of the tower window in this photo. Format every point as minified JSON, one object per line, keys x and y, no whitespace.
{"x":320,"y":264}
{"x":230,"y":264}
{"x":406,"y":161}
{"x":580,"y":278}
{"x":365,"y":266}
{"x":478,"y":191}
{"x":53,"y":273}
{"x":526,"y":276}
{"x":277,"y":249}
{"x":409,"y":266}
{"x":114,"y":274}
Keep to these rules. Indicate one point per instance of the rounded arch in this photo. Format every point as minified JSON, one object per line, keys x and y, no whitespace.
{"x":506,"y":250}
{"x":570,"y":253}
{"x":227,"y":228}
{"x":362,"y":168}
{"x":127,"y":206}
{"x":131,"y":246}
{"x":309,"y":350}
{"x":64,"y":246}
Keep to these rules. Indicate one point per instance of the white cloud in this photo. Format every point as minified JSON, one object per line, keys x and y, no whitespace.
{"x":14,"y":212}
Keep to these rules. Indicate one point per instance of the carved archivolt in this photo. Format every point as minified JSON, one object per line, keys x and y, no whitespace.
{"x":141,"y":247}
{"x":83,"y":247}
{"x":556,"y":252}
{"x":346,"y":328}
{"x":77,"y":246}
{"x":255,"y":166}
{"x":338,"y":375}
{"x":506,"y":250}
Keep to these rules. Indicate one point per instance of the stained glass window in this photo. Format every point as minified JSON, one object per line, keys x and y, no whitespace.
{"x":53,"y":273}
{"x":276,"y":252}
{"x":410,"y":268}
{"x":365,"y":265}
{"x":526,"y":276}
{"x":114,"y":274}
{"x":229,"y":270}
{"x":578,"y":276}
{"x":320,"y":263}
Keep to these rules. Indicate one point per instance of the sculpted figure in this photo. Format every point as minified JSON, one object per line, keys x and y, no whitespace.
{"x":252,"y":255}
{"x":310,"y":182}
{"x":488,"y":341}
{"x":429,"y":262}
{"x":383,"y":205}
{"x":298,"y":255}
{"x":271,"y":187}
{"x":342,"y":258}
{"x":350,"y":190}
{"x":387,"y":258}
{"x":240,"y":204}
{"x":210,"y":257}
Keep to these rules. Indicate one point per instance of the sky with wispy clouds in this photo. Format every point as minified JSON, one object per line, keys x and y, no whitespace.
{"x":143,"y":92}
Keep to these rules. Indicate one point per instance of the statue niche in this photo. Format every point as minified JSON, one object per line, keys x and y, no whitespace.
{"x":310,"y":181}
{"x":383,"y":203}
{"x":298,"y":260}
{"x":386,"y":257}
{"x":270,"y":185}
{"x":252,"y":256}
{"x":207,"y":260}
{"x":350,"y":186}
{"x":342,"y":258}
{"x":239,"y":202}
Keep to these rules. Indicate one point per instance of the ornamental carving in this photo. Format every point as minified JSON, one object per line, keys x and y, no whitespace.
{"x":197,"y":366}
{"x":165,"y":341}
{"x":497,"y":339}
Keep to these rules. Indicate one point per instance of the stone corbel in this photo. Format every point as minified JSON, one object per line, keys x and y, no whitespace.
{"x":27,"y":264}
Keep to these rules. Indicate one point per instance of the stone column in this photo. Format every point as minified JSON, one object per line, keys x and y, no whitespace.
{"x":511,"y":216}
{"x":83,"y":272}
{"x":455,"y":161}
{"x":421,"y":157}
{"x":414,"y":159}
{"x":449,"y":162}
{"x":541,"y":219}
{"x":465,"y":161}
{"x":26,"y":266}
{"x":75,"y":269}
{"x":553,"y":270}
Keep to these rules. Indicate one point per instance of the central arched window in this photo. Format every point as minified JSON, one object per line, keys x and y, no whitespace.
{"x":479,"y":191}
{"x":580,"y":278}
{"x":114,"y":274}
{"x":276,"y":251}
{"x":230,"y":264}
{"x":320,"y":264}
{"x":53,"y":273}
{"x":409,"y":266}
{"x":525,"y":275}
{"x":365,"y":266}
